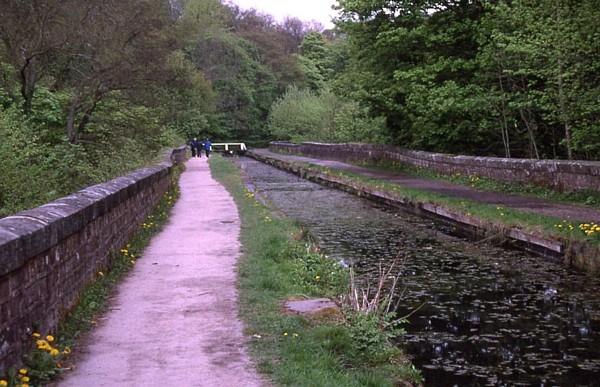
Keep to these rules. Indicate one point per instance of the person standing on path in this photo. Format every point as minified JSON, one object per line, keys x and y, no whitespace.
{"x":207,"y":147}
{"x":196,"y":150}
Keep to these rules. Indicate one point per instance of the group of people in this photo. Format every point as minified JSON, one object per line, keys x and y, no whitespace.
{"x":197,"y":147}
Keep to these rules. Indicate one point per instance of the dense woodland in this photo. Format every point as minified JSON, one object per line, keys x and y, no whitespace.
{"x":91,"y":89}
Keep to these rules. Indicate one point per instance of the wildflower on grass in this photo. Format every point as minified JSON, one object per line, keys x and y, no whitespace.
{"x":23,"y":371}
{"x":25,"y":379}
{"x":54,"y":352}
{"x":36,"y":335}
{"x":295,"y":335}
{"x":101,"y":274}
{"x":50,"y":338}
{"x":3,"y":383}
{"x":285,"y":333}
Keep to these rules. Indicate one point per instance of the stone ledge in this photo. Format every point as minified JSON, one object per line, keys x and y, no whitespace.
{"x":562,"y":175}
{"x":31,"y":232}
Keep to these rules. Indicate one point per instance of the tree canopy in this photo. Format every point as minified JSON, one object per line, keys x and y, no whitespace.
{"x":91,"y":89}
{"x":509,"y":78}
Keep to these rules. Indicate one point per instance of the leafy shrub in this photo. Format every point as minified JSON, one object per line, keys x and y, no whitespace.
{"x":371,"y":336}
{"x":302,"y":115}
{"x":315,"y":271}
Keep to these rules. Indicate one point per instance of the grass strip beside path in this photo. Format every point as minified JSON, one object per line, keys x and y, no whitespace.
{"x":279,"y":264}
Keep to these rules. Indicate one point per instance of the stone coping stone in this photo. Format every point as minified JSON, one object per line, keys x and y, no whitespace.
{"x":31,"y":232}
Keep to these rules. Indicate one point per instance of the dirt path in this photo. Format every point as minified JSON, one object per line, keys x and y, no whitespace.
{"x":517,"y":202}
{"x":173,"y":321}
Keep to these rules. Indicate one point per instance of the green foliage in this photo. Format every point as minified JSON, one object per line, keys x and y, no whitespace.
{"x":39,"y":164}
{"x":512,"y":78}
{"x":302,"y":115}
{"x":22,"y":180}
{"x":248,"y":60}
{"x":315,"y":271}
{"x":371,"y":335}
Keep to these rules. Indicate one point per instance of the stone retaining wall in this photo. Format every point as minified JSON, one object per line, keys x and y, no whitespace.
{"x":50,"y":253}
{"x":560,"y":175}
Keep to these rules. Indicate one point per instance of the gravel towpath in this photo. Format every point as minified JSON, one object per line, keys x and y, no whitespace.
{"x":173,"y":321}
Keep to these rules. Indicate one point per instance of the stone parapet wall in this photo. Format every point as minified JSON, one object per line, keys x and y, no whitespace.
{"x":50,"y":253}
{"x":561,"y":175}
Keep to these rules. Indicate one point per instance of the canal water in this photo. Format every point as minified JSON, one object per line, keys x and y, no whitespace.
{"x":491,"y":317}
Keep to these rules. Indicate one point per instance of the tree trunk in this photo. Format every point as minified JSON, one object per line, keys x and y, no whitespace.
{"x":505,"y":135}
{"x":87,"y":116}
{"x":561,"y":90}
{"x":563,"y":110}
{"x":531,"y":129}
{"x":72,"y":134}
{"x":28,"y":78}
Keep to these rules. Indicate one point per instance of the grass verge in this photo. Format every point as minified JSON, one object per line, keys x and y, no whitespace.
{"x":279,"y":264}
{"x":51,"y":356}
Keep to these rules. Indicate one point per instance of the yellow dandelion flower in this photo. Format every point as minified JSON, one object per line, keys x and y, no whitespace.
{"x":25,"y":379}
{"x":67,"y":350}
{"x":50,"y":338}
{"x":23,"y":371}
{"x":36,"y":335}
{"x":3,"y":383}
{"x":54,"y":352}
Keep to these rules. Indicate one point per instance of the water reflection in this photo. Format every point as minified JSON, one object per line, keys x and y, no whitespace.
{"x":493,"y":317}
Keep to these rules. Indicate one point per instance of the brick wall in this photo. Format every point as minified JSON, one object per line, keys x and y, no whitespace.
{"x":560,"y":175}
{"x":48,"y":254}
